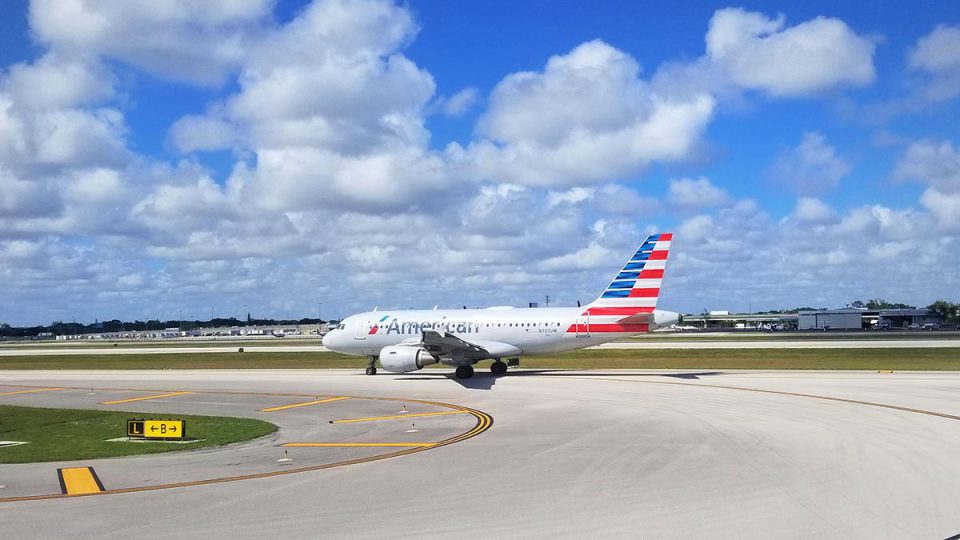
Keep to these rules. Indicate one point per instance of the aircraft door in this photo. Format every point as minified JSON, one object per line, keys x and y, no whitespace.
{"x":583,"y":326}
{"x":361,"y":331}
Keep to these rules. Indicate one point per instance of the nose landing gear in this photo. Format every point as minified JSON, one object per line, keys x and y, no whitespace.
{"x":371,"y":365}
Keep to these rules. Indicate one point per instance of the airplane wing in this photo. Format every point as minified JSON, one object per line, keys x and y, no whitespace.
{"x":447,"y":345}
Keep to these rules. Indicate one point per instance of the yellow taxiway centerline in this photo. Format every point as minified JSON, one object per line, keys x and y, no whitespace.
{"x":394,"y":417}
{"x":304,"y":404}
{"x":29,"y":391}
{"x":358,"y":444}
{"x":144,"y":398}
{"x":79,"y":481}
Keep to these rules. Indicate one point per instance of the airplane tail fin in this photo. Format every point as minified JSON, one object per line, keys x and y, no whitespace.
{"x":631,"y":297}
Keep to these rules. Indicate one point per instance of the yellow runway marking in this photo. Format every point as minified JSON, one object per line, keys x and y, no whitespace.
{"x":144,"y":398}
{"x":79,"y":481}
{"x":29,"y":391}
{"x":411,"y":415}
{"x":359,"y":444}
{"x":304,"y":404}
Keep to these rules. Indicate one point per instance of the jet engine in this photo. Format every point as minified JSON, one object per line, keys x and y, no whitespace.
{"x":400,"y":359}
{"x":663,"y":318}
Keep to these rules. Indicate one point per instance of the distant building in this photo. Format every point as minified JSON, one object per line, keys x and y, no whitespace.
{"x":835,"y":319}
{"x":904,"y":318}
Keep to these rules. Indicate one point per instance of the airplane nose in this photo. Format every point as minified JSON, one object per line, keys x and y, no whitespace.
{"x":327,"y":340}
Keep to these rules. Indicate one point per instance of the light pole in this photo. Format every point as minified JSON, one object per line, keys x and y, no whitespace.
{"x":319,"y":316}
{"x":181,"y":319}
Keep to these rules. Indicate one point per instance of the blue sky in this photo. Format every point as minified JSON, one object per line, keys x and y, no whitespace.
{"x":361,"y":153}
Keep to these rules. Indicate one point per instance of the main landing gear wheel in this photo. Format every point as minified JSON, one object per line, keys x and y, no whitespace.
{"x":498,"y":368}
{"x":464,"y":372}
{"x":371,"y":370}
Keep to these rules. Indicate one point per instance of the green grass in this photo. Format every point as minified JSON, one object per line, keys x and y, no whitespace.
{"x":740,"y":335}
{"x":105,"y":344}
{"x":857,"y":359}
{"x":919,"y":359}
{"x":231,"y":360}
{"x":72,"y":434}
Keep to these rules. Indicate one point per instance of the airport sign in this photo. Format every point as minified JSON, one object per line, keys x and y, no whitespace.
{"x":156,"y":429}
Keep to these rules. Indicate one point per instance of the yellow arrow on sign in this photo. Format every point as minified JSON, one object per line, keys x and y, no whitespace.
{"x":163,"y":429}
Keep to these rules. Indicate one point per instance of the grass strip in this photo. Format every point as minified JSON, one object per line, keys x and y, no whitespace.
{"x":922,"y":359}
{"x":75,"y":434}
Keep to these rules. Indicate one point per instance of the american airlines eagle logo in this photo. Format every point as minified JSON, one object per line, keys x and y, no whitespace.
{"x":375,"y":328}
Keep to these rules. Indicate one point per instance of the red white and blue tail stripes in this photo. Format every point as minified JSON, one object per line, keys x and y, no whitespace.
{"x":627,"y":304}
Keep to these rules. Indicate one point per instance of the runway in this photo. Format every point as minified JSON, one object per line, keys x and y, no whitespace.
{"x":657,"y":454}
{"x":679,"y":343}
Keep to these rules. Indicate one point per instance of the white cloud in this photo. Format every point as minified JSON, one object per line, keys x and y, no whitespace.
{"x":696,"y":193}
{"x":696,"y":229}
{"x":25,"y":199}
{"x":608,"y":198}
{"x":761,"y":53}
{"x":933,"y":162}
{"x":945,"y":207}
{"x":938,"y":51}
{"x":459,"y":103}
{"x":202,"y":133}
{"x":937,"y":55}
{"x":812,"y":210}
{"x":335,"y":119}
{"x":198,"y":42}
{"x":811,"y":168}
{"x":586,"y":118}
{"x":56,"y":81}
{"x":591,"y":257}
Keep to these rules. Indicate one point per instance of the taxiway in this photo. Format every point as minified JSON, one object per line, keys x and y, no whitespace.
{"x":597,"y":453}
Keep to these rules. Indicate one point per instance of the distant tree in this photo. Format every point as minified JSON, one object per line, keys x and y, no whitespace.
{"x":880,"y":303}
{"x":858,"y":304}
{"x":947,"y":310}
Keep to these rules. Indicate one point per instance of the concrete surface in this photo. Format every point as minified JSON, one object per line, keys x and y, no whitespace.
{"x":651,"y":454}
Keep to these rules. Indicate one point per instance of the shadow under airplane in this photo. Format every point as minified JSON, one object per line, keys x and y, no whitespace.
{"x":485,"y":381}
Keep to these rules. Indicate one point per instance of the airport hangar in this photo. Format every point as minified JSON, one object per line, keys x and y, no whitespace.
{"x":827,"y":319}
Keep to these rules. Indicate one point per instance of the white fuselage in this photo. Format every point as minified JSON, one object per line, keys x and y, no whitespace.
{"x":531,"y":330}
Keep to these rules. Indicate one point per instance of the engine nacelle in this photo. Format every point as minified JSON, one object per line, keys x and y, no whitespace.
{"x":400,"y":359}
{"x":663,"y":318}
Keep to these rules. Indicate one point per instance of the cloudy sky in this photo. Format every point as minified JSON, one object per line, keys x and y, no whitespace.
{"x":197,"y":156}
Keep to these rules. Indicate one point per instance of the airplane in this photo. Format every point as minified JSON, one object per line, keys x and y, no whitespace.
{"x":409,"y":340}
